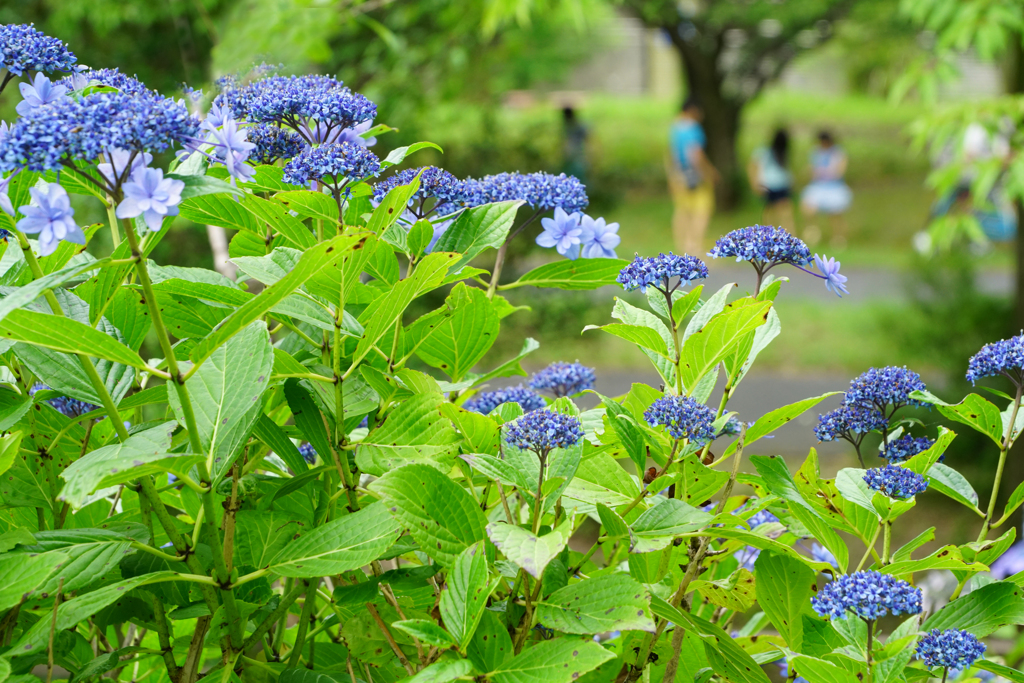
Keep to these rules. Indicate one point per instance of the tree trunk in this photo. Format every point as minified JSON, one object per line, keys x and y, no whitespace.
{"x":699,"y":62}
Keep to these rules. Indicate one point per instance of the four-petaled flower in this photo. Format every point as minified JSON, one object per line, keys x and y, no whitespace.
{"x":39,"y":93}
{"x":151,"y":196}
{"x":51,"y":217}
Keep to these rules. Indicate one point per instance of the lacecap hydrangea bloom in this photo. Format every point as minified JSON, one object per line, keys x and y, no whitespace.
{"x":1005,"y":357}
{"x":39,"y":93}
{"x":272,"y":143}
{"x":907,"y":446}
{"x":683,"y":418}
{"x":950,"y":649}
{"x":334,"y":164}
{"x":435,"y":183}
{"x":849,"y":422}
{"x":23,"y":48}
{"x":542,"y":430}
{"x":896,"y":482}
{"x":540,"y":191}
{"x":487,"y":401}
{"x":564,"y":379}
{"x":658,"y":271}
{"x":869,"y":595}
{"x":884,"y":387}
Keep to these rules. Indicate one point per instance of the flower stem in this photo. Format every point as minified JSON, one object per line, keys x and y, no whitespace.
{"x":886,"y":539}
{"x":871,"y":643}
{"x":870,"y":548}
{"x":499,"y":261}
{"x":115,"y":235}
{"x":1003,"y":451}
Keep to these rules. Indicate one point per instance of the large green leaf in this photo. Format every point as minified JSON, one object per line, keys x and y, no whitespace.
{"x":308,"y":418}
{"x":951,"y":483}
{"x":439,"y":514}
{"x":1010,"y":674}
{"x":631,"y":315}
{"x":711,"y":344}
{"x":464,"y":336}
{"x":613,"y":602}
{"x":341,"y":545}
{"x":491,"y":646}
{"x":465,"y":594}
{"x":529,"y":551}
{"x":784,"y":588}
{"x":311,"y":205}
{"x":415,"y":431}
{"x":28,"y":293}
{"x":313,"y":260}
{"x":821,"y":671}
{"x":770,"y":421}
{"x":226,"y":393}
{"x":260,"y":535}
{"x":562,"y":660}
{"x":981,"y":611}
{"x":477,"y":229}
{"x":644,"y":337}
{"x":656,"y":527}
{"x":23,"y":572}
{"x":66,"y":335}
{"x":974,"y":411}
{"x":588,"y":273}
{"x":267,"y":431}
{"x":443,"y":672}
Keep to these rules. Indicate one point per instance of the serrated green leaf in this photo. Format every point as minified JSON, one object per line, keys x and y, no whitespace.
{"x":658,"y":526}
{"x":260,"y":535}
{"x":465,"y":594}
{"x":981,"y":611}
{"x":23,"y":572}
{"x":67,"y":336}
{"x":527,"y":550}
{"x":443,"y":672}
{"x":554,"y":661}
{"x":311,"y":205}
{"x":415,"y":431}
{"x":784,"y":589}
{"x":612,"y":602}
{"x":770,"y":421}
{"x":465,"y":336}
{"x":426,"y":631}
{"x":713,"y":343}
{"x":952,"y":484}
{"x":477,"y":229}
{"x":589,"y":273}
{"x":974,"y":411}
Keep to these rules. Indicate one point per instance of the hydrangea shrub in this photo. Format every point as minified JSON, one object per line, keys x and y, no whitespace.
{"x":311,"y":485}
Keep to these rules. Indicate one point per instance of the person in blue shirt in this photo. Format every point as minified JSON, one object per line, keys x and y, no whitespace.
{"x":691,"y":179}
{"x":768,"y":172}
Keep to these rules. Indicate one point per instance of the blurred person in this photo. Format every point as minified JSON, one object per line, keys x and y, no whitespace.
{"x":827,"y":192}
{"x":691,"y":179}
{"x":574,"y":145}
{"x":769,"y":176}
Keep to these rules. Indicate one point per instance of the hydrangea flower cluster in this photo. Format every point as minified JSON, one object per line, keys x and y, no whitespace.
{"x":273,"y":143}
{"x":766,"y":246}
{"x":868,"y":594}
{"x":899,"y":483}
{"x":487,"y":401}
{"x":307,"y":452}
{"x":850,"y":422}
{"x":23,"y":48}
{"x":885,"y":387}
{"x":950,"y":649}
{"x":435,"y":183}
{"x":658,"y":271}
{"x":542,"y":430}
{"x":334,"y":164}
{"x":1004,"y":357}
{"x":564,"y":379}
{"x":683,"y":418}
{"x":112,"y":78}
{"x":313,"y":106}
{"x":541,"y":191}
{"x":65,"y":405}
{"x":906,"y":447}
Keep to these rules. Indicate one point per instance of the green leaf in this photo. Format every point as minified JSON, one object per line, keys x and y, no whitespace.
{"x":1009,"y":673}
{"x":426,"y":631}
{"x":562,"y":660}
{"x":25,"y":295}
{"x":478,"y":229}
{"x":531,"y":552}
{"x":588,"y":273}
{"x":439,"y":514}
{"x":398,"y":155}
{"x":415,"y":431}
{"x":784,"y":589}
{"x":771,"y":421}
{"x":23,"y":572}
{"x":385,"y":216}
{"x":491,"y":646}
{"x":614,"y":526}
{"x":340,"y":545}
{"x":658,"y":526}
{"x":628,"y":432}
{"x":951,"y":483}
{"x":199,"y":185}
{"x":974,"y":411}
{"x":465,"y":594}
{"x":314,"y":260}
{"x":225,"y":394}
{"x":819,"y":670}
{"x":735,"y":592}
{"x":946,"y":557}
{"x":479,"y":432}
{"x":443,"y":672}
{"x":850,"y":482}
{"x":308,"y":418}
{"x":981,"y":611}
{"x":1014,"y":502}
{"x":464,"y":337}
{"x":219,"y":210}
{"x":641,"y":336}
{"x":260,"y":535}
{"x":142,"y":454}
{"x":631,"y":315}
{"x":711,"y":344}
{"x":267,"y":431}
{"x":697,"y":481}
{"x":66,"y":335}
{"x":9,"y":445}
{"x":311,"y":205}
{"x":613,"y":602}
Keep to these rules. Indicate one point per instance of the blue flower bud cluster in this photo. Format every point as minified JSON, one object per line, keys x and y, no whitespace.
{"x":541,"y":191}
{"x":487,"y":401}
{"x":564,"y":379}
{"x":906,"y":447}
{"x":950,"y":649}
{"x":899,"y":483}
{"x":307,"y":452}
{"x":542,"y":430}
{"x":882,"y":387}
{"x":868,"y":594}
{"x":1005,"y":357}
{"x":23,"y":48}
{"x":657,"y":271}
{"x":65,"y":405}
{"x":273,"y":143}
{"x":435,"y":183}
{"x":764,"y":245}
{"x":340,"y":161}
{"x":848,"y":421}
{"x":682,"y":417}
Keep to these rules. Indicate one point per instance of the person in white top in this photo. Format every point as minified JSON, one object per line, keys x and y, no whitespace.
{"x":769,"y":176}
{"x":827,"y":192}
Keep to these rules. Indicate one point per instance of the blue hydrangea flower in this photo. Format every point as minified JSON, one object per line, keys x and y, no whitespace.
{"x":868,"y":594}
{"x":5,"y":199}
{"x":121,"y":164}
{"x":272,"y":143}
{"x":1009,"y":563}
{"x":111,"y":78}
{"x":820,"y":553}
{"x":1005,"y":357}
{"x":906,"y":447}
{"x":563,"y":232}
{"x":899,"y":483}
{"x":65,"y":405}
{"x":950,"y":649}
{"x":23,"y":48}
{"x":334,"y":164}
{"x":884,"y":387}
{"x":151,"y":196}
{"x":39,"y":93}
{"x":763,"y":245}
{"x":564,"y":379}
{"x":850,"y":422}
{"x":542,"y":430}
{"x":435,"y":183}
{"x":658,"y":271}
{"x":51,"y":217}
{"x":322,"y":133}
{"x":487,"y":401}
{"x":784,"y":672}
{"x":731,"y":427}
{"x":829,"y":268}
{"x":541,"y":191}
{"x":231,"y":147}
{"x":682,"y":417}
{"x":599,"y":239}
{"x":762,"y":517}
{"x":307,"y":452}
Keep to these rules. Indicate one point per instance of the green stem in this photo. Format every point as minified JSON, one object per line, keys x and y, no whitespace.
{"x":1003,"y":451}
{"x":115,"y":236}
{"x":538,"y":509}
{"x":871,"y":644}
{"x":307,"y":611}
{"x":886,"y":539}
{"x":870,"y":548}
